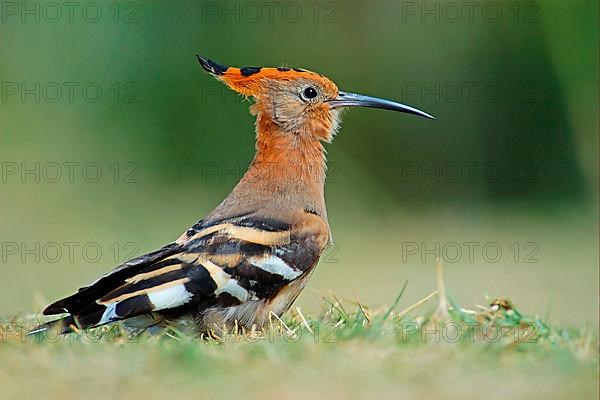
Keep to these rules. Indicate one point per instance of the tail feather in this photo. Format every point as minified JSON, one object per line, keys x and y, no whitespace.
{"x":92,"y":316}
{"x":59,"y":326}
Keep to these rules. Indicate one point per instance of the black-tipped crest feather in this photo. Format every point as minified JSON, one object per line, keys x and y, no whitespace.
{"x":211,"y":66}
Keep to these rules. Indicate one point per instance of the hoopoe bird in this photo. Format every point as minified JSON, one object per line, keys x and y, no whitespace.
{"x":254,"y":253}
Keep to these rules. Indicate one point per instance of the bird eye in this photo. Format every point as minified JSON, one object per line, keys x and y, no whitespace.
{"x":309,"y":93}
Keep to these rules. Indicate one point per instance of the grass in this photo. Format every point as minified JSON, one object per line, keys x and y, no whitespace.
{"x":346,"y":350}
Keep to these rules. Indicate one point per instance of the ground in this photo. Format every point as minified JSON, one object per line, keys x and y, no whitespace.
{"x":347,"y":350}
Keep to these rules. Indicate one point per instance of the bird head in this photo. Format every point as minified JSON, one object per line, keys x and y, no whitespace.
{"x":296,"y":101}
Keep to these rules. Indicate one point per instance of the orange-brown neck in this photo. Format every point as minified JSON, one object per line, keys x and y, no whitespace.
{"x":291,"y":162}
{"x":287,"y":173}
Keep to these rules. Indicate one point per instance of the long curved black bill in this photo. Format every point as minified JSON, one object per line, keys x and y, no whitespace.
{"x":346,"y":99}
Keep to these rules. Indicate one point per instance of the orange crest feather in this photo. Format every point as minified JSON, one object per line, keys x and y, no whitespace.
{"x":250,"y":80}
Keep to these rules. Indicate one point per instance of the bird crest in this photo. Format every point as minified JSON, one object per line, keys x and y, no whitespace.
{"x":251,"y":81}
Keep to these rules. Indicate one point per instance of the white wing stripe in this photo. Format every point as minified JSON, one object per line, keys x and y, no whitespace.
{"x":224,"y":282}
{"x":276,"y":265}
{"x":170,"y":297}
{"x":234,"y":289}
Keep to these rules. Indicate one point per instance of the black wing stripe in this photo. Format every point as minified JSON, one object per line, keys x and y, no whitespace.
{"x":169,"y":261}
{"x":154,"y":273}
{"x":223,"y":245}
{"x":133,"y":306}
{"x":201,"y":285}
{"x":203,"y":223}
{"x":265,"y":224}
{"x":248,"y":219}
{"x":90,"y":316}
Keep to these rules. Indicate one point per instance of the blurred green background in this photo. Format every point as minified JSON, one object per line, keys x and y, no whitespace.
{"x":113,"y":141}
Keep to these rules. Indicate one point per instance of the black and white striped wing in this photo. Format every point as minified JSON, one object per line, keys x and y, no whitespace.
{"x":221,"y":264}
